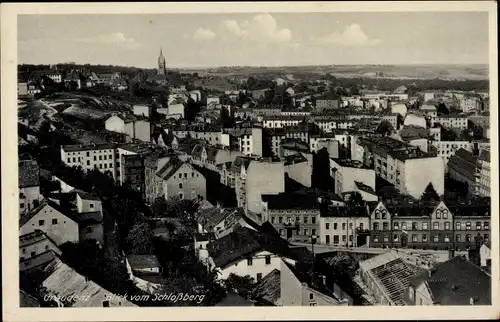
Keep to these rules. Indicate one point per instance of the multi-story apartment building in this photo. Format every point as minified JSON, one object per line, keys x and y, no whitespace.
{"x":428,"y":226}
{"x":295,"y":216}
{"x":462,"y":167}
{"x":347,"y":172}
{"x":279,"y":121}
{"x":454,"y":122}
{"x":29,"y":185}
{"x":210,"y":157}
{"x":446,"y":149}
{"x":469,"y":104}
{"x":327,"y":104}
{"x":331,"y":123}
{"x":274,"y":137}
{"x":340,"y":226}
{"x":300,"y":132}
{"x":247,"y":140}
{"x":263,"y":177}
{"x":55,"y":76}
{"x":483,"y":179}
{"x":402,"y":165}
{"x":429,"y":110}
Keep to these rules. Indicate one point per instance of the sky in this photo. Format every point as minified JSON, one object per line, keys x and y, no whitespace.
{"x":258,"y":39}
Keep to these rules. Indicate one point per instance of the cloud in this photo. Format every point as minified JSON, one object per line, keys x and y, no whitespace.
{"x":118,"y":39}
{"x":203,"y":34}
{"x":261,"y":28}
{"x":352,"y":36}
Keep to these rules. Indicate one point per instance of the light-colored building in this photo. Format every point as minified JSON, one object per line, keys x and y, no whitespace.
{"x":327,"y":104}
{"x":299,"y":168}
{"x":48,"y":218}
{"x":279,"y":121}
{"x":262,"y":178}
{"x":429,"y":110}
{"x":210,"y":157}
{"x":339,"y":226}
{"x":347,"y":172}
{"x":34,"y":244}
{"x":142,"y":110}
{"x":402,"y":165}
{"x":469,"y":104}
{"x":55,"y":76}
{"x":399,"y":108}
{"x":485,"y":255}
{"x":454,"y":122}
{"x":247,"y":140}
{"x":428,"y":96}
{"x":446,"y":149}
{"x":412,"y":119}
{"x":179,"y":179}
{"x":174,"y":109}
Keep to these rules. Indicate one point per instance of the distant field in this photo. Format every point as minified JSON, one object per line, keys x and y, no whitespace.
{"x":368,"y":71}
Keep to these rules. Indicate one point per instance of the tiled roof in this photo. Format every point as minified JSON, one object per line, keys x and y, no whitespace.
{"x":244,"y":242}
{"x":34,"y":238}
{"x":363,"y":187}
{"x":65,"y":281}
{"x":336,"y":211}
{"x":143,"y":261}
{"x":484,"y":155}
{"x":455,"y":282}
{"x":38,"y":261}
{"x":294,"y":159}
{"x":240,"y":161}
{"x":29,"y":174}
{"x":463,"y":162}
{"x":27,"y":300}
{"x":268,"y":289}
{"x":211,"y":217}
{"x":170,"y":168}
{"x":87,"y":196}
{"x":45,"y":203}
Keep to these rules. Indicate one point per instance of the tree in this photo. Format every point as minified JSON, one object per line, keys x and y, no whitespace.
{"x":243,"y":285}
{"x":430,"y":194}
{"x":355,"y":199}
{"x":140,"y":239}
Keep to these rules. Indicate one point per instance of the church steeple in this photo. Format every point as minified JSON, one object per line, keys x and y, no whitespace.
{"x":161,"y":63}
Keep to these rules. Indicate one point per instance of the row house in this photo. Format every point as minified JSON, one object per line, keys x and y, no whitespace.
{"x":295,"y":216}
{"x":280,"y":121}
{"x":446,"y":149}
{"x":331,"y":123}
{"x":274,"y":138}
{"x":211,"y":157}
{"x":429,"y":227}
{"x":453,"y":122}
{"x":247,"y":140}
{"x":341,"y":226}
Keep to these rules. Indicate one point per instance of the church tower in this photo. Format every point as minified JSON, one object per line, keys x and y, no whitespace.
{"x":162,"y":68}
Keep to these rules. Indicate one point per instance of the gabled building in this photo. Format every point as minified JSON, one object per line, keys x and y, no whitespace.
{"x":249,"y":252}
{"x":36,"y":249}
{"x":454,"y":282}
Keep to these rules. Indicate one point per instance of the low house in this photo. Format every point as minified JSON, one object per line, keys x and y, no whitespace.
{"x":53,"y":220}
{"x":299,"y":288}
{"x":63,"y":282}
{"x":485,"y":255}
{"x":454,"y":282}
{"x":267,"y":291}
{"x":35,"y":243}
{"x":249,"y":252}
{"x":90,"y":216}
{"x":145,"y":271}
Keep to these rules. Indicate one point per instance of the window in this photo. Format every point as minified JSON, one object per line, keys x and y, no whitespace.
{"x":446,"y":238}
{"x":375,"y":226}
{"x":385,"y":226}
{"x":100,"y":157}
{"x":435,"y":226}
{"x":268,"y":259}
{"x":54,"y":221}
{"x":104,"y":157}
{"x":297,"y":219}
{"x":327,"y":239}
{"x":272,"y":219}
{"x":458,"y":238}
{"x":110,"y":165}
{"x":259,"y":276}
{"x":74,"y":159}
{"x":438,"y":214}
{"x":280,"y":219}
{"x":21,"y":205}
{"x":181,"y":196}
{"x":457,"y":226}
{"x":313,"y":232}
{"x":311,"y":296}
{"x":361,"y":226}
{"x":446,"y":226}
{"x":414,"y":238}
{"x":375,"y":238}
{"x":306,"y":231}
{"x":445,"y":214}
{"x":386,"y":237}
{"x":414,"y":226}
{"x":425,"y":226}
{"x":396,"y":226}
{"x":327,"y":226}
{"x":88,"y":162}
{"x":192,"y":174}
{"x":384,"y":214}
{"x":180,"y":175}
{"x":335,"y":226}
{"x":478,"y":225}
{"x":282,"y":232}
{"x":350,"y":238}
{"x":377,"y":214}
{"x":305,"y":220}
{"x":100,"y":166}
{"x":88,"y":153}
{"x":105,"y":303}
{"x":403,"y":225}
{"x":185,"y":175}
{"x":313,"y":220}
{"x":288,"y":220}
{"x":436,"y":238}
{"x":41,"y":222}
{"x":344,"y":226}
{"x":180,"y":185}
{"x":467,"y":225}
{"x":350,"y":225}
{"x":313,"y":304}
{"x":395,"y":237}
{"x":424,"y":237}
{"x":33,"y":254}
{"x":467,"y":237}
{"x":335,"y":239}
{"x":486,"y":237}
{"x":486,"y":225}
{"x":250,"y":261}
{"x":89,"y":230}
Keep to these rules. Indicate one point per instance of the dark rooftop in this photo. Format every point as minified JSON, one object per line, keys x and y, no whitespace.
{"x":292,"y":201}
{"x":29,"y":174}
{"x":336,"y":211}
{"x":233,"y":299}
{"x":143,"y":261}
{"x":455,"y":282}
{"x":268,"y":289}
{"x":363,"y":187}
